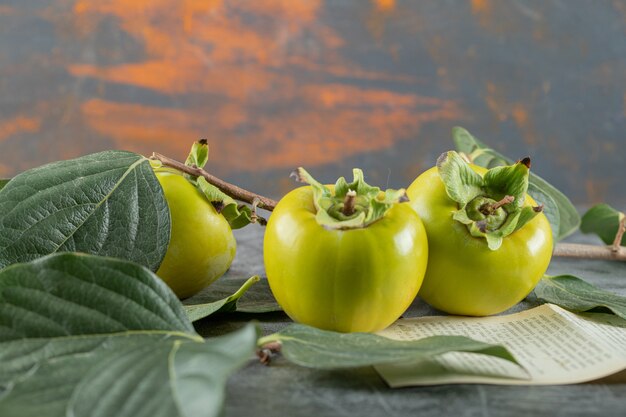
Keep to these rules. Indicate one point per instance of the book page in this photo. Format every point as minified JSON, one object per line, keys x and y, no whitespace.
{"x":553,"y":346}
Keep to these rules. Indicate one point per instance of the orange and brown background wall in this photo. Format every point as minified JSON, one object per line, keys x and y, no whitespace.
{"x":326,"y":84}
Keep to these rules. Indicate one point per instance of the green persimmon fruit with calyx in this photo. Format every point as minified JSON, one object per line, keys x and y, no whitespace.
{"x":202,"y":246}
{"x":347,"y":257}
{"x":489,"y":242}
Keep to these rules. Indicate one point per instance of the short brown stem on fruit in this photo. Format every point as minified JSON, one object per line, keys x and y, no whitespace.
{"x":231,"y":190}
{"x":618,"y":236}
{"x":255,"y":218}
{"x":348,"y":203}
{"x":265,"y":352}
{"x":488,"y":208}
{"x":575,"y":250}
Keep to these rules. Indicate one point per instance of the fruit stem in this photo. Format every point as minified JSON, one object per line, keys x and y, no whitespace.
{"x":231,"y":190}
{"x":267,"y":350}
{"x":618,"y":236}
{"x":575,"y":250}
{"x":348,"y":203}
{"x":488,"y":209}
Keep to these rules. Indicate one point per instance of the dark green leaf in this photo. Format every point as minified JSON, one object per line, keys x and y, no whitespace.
{"x":574,"y":294}
{"x":314,"y":348}
{"x":564,"y":221}
{"x":3,"y":182}
{"x":73,"y":294}
{"x":91,"y":336}
{"x":196,"y":312}
{"x":108,"y":203}
{"x":604,"y":221}
{"x":257,"y":299}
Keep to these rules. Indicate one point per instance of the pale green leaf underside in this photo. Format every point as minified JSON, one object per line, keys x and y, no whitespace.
{"x":557,"y":207}
{"x":604,"y":221}
{"x":108,"y":203}
{"x":197,"y":312}
{"x":124,"y":375}
{"x":198,"y":155}
{"x":257,"y":299}
{"x":574,"y":294}
{"x":550,"y":208}
{"x":462,"y":183}
{"x":314,"y":348}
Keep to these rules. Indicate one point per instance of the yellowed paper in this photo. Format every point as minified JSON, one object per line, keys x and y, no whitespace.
{"x":553,"y":345}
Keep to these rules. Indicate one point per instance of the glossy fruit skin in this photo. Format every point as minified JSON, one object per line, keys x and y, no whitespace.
{"x":202,"y":246}
{"x":464,"y":276}
{"x":356,"y":280}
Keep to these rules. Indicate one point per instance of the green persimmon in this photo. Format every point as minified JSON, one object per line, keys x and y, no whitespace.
{"x":347,"y":257}
{"x":202,"y":245}
{"x":483,"y":259}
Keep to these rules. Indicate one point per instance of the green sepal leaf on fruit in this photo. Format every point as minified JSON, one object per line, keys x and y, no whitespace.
{"x":314,"y":348}
{"x":108,"y":203}
{"x":491,"y":206}
{"x":559,"y":210}
{"x":604,"y":221}
{"x":199,"y":155}
{"x":349,"y":205}
{"x":508,"y":180}
{"x":238,"y":215}
{"x":197,"y":312}
{"x":80,"y":332}
{"x":462,"y":183}
{"x":577,"y":295}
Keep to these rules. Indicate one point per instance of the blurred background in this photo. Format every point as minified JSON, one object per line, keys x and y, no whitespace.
{"x":326,"y":84}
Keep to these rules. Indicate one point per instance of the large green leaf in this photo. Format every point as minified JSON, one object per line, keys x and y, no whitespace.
{"x":257,"y":298}
{"x":314,"y":348}
{"x":557,"y":207}
{"x":604,"y":221}
{"x":89,"y":336}
{"x":108,"y":203}
{"x":574,"y":294}
{"x":3,"y":182}
{"x":74,"y":294}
